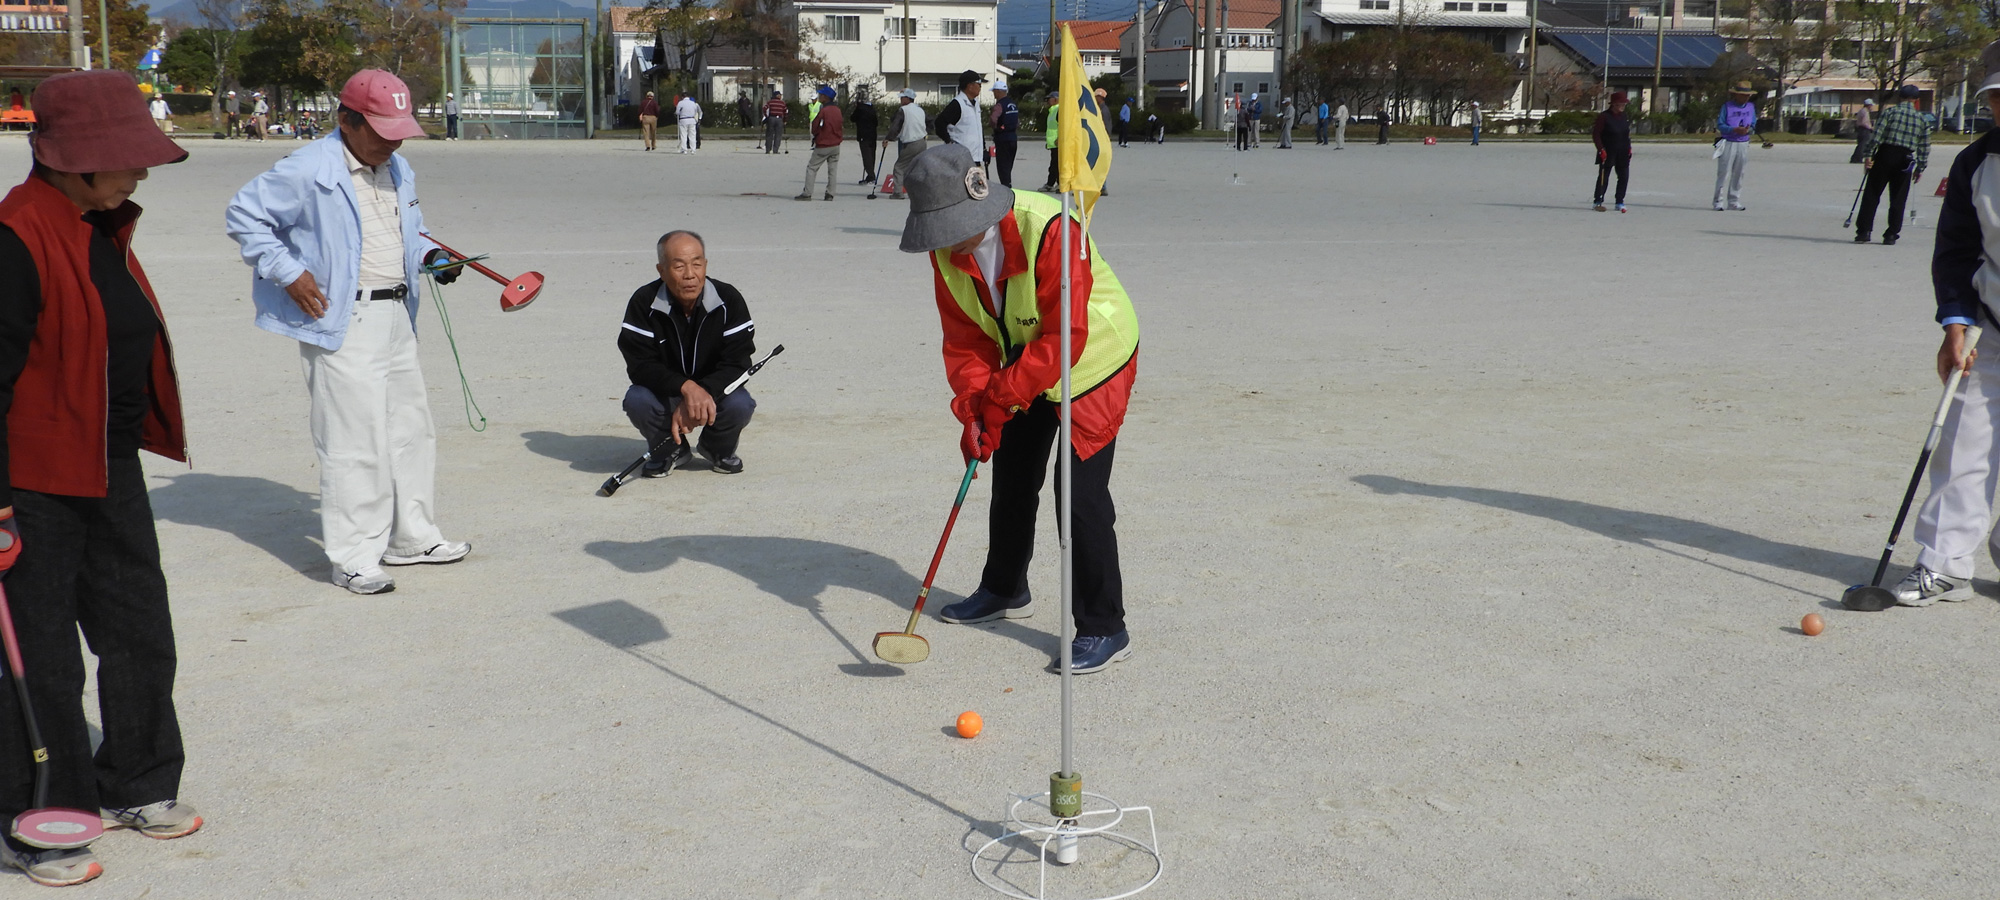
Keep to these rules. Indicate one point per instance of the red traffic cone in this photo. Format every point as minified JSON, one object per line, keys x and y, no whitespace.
{"x":1430,"y":141}
{"x":1941,"y":183}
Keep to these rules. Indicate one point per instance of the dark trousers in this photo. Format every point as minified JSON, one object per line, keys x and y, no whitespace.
{"x":1891,"y":170}
{"x":652,"y":418}
{"x":867,"y":155}
{"x":92,"y":563}
{"x":1004,"y":151}
{"x":1019,"y":468}
{"x":451,"y":126}
{"x":1124,"y":130}
{"x":774,"y":133}
{"x":1054,"y":157}
{"x":1861,"y":136}
{"x":1320,"y":133}
{"x":1614,"y":161}
{"x":1382,"y":132}
{"x":1242,"y":137}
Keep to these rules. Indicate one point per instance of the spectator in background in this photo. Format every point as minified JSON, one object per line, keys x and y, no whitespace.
{"x":1479,"y":119}
{"x":1124,"y":123}
{"x":1049,"y":137}
{"x":1381,"y":125}
{"x":864,"y":133}
{"x":745,"y":110}
{"x":233,"y":108}
{"x":1006,"y":131}
{"x":1256,"y":120}
{"x":1340,"y":127}
{"x":1897,"y":152}
{"x":1736,"y":121}
{"x":775,"y":112}
{"x":161,"y":117}
{"x":451,"y":118}
{"x":687,"y":113}
{"x":649,"y":121}
{"x":958,"y":122}
{"x":1245,"y":122}
{"x":260,"y":116}
{"x":1864,"y":129}
{"x":1287,"y":117}
{"x":1612,"y":133}
{"x":826,"y":139}
{"x":1324,"y":114}
{"x":907,"y":127}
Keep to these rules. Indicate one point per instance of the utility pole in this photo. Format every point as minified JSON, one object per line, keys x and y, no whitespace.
{"x":75,"y":35}
{"x":1140,"y":42}
{"x":1659,"y":50}
{"x":1222,"y":68}
{"x":104,"y":34}
{"x":1528,"y":93}
{"x":1284,"y":40}
{"x":1210,"y":110}
{"x":909,"y":25}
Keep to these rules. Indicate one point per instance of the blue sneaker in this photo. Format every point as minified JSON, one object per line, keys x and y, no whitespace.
{"x":1089,"y":654}
{"x":985,"y":606}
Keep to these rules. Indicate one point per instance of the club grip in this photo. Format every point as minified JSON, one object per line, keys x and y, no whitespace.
{"x":1972,"y":333}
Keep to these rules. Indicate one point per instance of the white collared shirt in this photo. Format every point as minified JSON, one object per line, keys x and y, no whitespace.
{"x":381,"y":224}
{"x":988,"y":255}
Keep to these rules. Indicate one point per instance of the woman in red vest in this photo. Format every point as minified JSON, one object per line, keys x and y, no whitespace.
{"x":86,"y":382}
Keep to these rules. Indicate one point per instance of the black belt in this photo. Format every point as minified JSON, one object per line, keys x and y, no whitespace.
{"x":395,"y":293}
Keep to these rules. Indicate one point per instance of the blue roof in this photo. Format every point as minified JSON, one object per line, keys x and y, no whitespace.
{"x":1634,"y":50}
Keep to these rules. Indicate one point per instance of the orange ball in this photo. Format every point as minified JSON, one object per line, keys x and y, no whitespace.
{"x":1812,"y":624}
{"x":969,"y":724}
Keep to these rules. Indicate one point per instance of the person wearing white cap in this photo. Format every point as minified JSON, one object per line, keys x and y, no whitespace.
{"x":233,"y":108}
{"x":450,"y":117}
{"x":1864,"y":128}
{"x":907,"y":128}
{"x":1006,"y":132}
{"x":260,"y":115}
{"x":338,"y":244}
{"x":1958,"y":514}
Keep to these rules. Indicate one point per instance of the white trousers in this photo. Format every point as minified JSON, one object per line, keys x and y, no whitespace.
{"x":371,"y":424}
{"x":1958,"y":514}
{"x":1729,"y":171}
{"x":687,"y":134}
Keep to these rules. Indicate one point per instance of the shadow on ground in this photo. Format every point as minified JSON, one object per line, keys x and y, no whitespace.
{"x":798,"y":571}
{"x":598,"y":454}
{"x":638,"y":634}
{"x":1781,"y":237}
{"x":1645,"y":529}
{"x":276,"y":518}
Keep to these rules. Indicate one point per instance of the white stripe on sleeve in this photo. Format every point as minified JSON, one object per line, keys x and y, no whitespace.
{"x":747,"y":324}
{"x":631,"y":327}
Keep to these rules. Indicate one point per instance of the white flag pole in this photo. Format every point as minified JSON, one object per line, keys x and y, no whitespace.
{"x":1068,"y":489}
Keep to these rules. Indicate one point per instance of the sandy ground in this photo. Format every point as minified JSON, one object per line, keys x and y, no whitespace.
{"x":1465,"y":532}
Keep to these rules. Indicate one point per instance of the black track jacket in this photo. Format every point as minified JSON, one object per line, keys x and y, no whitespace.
{"x":663,"y":350}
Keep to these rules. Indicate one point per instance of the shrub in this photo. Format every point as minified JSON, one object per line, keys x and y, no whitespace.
{"x":1569,"y":121}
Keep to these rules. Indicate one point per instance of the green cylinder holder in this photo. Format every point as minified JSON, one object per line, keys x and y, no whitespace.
{"x":1066,"y":795}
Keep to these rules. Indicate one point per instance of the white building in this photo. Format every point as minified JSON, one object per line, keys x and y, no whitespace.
{"x":865,"y":41}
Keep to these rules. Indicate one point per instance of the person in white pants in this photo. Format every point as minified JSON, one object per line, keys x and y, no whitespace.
{"x":688,"y":113}
{"x":342,"y":212}
{"x":1958,"y":514}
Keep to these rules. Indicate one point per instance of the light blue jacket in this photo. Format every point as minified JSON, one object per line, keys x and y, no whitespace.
{"x":303,"y":215}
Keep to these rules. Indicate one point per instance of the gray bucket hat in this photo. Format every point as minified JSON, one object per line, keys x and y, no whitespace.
{"x":950,"y":199}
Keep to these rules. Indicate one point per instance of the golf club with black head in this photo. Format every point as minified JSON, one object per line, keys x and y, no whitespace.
{"x":1873,"y":597}
{"x":612,"y":484}
{"x":907,"y":646}
{"x":42,"y":825}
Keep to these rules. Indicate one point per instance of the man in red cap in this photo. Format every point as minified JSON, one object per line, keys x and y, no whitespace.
{"x":338,"y":244}
{"x":86,"y":382}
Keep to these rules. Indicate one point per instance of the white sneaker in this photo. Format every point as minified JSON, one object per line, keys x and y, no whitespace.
{"x":164,"y":820}
{"x":370,"y":580}
{"x":1923,"y":587}
{"x":54,"y":868}
{"x":1718,"y":206}
{"x":437,"y":554}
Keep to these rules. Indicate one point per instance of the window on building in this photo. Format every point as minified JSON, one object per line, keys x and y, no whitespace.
{"x":843,"y":28}
{"x":1180,"y":42}
{"x":1492,"y":7}
{"x":1263,"y":87}
{"x":898,"y":27}
{"x":1236,"y":88}
{"x":960,"y":29}
{"x":947,"y":89}
{"x":1699,"y":9}
{"x":1374,"y":4}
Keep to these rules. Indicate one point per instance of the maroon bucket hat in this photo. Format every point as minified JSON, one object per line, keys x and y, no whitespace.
{"x":97,"y":122}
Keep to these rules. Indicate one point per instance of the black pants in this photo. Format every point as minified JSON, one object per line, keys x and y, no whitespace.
{"x":1891,"y":170}
{"x":1124,"y":131}
{"x":1054,"y":158}
{"x":1614,"y":161}
{"x":1242,"y":137}
{"x":1004,"y":151}
{"x":1861,"y":136}
{"x":1320,"y":132}
{"x":652,"y":418}
{"x":92,"y":563}
{"x":867,"y":155}
{"x":451,"y":126}
{"x":1019,"y":468}
{"x":1382,"y":133}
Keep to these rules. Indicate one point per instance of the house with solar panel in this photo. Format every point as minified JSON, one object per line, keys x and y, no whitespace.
{"x":1573,"y":51}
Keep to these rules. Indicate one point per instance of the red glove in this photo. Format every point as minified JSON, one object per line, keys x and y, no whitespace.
{"x":968,"y":443}
{"x":10,"y":534}
{"x":991,"y":420}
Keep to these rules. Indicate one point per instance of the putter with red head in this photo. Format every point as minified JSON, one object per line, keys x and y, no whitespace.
{"x":50,"y":827}
{"x":514,"y":294}
{"x":906,"y":646}
{"x":1873,"y":597}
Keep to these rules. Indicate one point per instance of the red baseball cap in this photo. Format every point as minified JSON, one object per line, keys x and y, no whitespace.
{"x":97,"y":122}
{"x":385,"y":100}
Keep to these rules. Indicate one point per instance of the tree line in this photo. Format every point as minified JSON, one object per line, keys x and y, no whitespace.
{"x":1404,"y":71}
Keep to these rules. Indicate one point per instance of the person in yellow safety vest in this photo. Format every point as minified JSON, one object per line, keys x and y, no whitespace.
{"x":998,"y":259}
{"x":1050,"y":139}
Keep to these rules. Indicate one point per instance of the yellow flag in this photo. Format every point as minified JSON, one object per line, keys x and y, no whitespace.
{"x":1083,"y":146}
